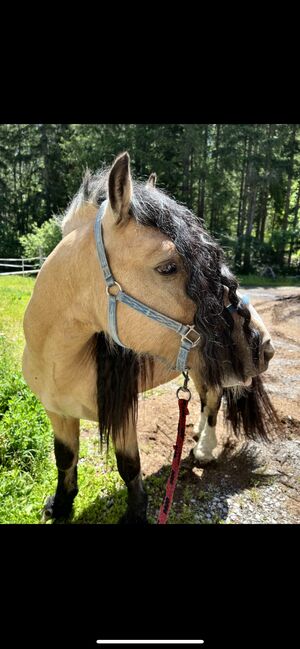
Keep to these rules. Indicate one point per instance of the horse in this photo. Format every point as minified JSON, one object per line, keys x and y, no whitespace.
{"x":136,"y":292}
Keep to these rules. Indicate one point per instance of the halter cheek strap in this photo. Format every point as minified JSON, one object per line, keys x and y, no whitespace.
{"x":109,"y":280}
{"x":189,"y":336}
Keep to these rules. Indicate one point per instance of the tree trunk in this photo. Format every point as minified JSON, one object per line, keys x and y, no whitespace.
{"x":238,"y":231}
{"x":265,"y":194}
{"x":295,"y":221}
{"x":191,"y":175}
{"x":46,"y":170}
{"x":202,"y":178}
{"x":186,"y":189}
{"x":19,"y":213}
{"x":281,"y":249}
{"x":263,"y":215}
{"x":189,"y":151}
{"x":250,"y":220}
{"x":212,"y":225}
{"x":244,"y":199}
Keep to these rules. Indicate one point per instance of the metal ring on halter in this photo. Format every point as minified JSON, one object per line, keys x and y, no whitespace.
{"x":186,"y":390}
{"x":112,"y":286}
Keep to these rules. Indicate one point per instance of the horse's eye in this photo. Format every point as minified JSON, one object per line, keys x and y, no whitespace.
{"x":167,"y":269}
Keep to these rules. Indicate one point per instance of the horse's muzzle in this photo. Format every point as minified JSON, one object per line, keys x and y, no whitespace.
{"x":267,"y":352}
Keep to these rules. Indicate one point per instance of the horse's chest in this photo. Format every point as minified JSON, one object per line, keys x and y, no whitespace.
{"x":65,"y":386}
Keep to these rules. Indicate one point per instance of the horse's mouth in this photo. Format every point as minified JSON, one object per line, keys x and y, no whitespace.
{"x":233,"y":381}
{"x":246,"y":383}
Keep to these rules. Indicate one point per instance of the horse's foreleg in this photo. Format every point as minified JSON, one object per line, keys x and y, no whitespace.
{"x":203,"y":451}
{"x":128,"y":460}
{"x":205,"y":428}
{"x":200,"y":425}
{"x":66,"y":446}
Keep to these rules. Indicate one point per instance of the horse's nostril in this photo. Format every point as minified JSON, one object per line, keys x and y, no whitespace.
{"x":268,"y":351}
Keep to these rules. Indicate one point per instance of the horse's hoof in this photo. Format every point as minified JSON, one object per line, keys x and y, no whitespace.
{"x":200,"y":460}
{"x":132,"y":519}
{"x":53,"y":510}
{"x":47,"y":511}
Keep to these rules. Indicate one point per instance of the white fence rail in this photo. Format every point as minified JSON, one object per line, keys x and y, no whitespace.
{"x":26,"y":265}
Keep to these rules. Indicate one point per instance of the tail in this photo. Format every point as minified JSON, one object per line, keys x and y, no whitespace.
{"x":252,"y":412}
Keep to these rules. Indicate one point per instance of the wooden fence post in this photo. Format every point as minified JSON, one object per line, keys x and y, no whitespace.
{"x":41,"y":257}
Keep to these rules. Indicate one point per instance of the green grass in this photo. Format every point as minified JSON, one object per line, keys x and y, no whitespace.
{"x":256,"y":280}
{"x":15,"y":293}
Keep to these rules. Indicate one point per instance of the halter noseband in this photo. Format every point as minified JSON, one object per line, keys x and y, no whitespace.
{"x":189,"y":336}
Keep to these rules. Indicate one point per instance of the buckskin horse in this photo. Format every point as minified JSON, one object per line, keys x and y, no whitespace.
{"x":136,"y":292}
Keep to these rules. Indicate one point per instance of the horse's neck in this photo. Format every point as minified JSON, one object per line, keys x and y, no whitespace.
{"x":69,"y":302}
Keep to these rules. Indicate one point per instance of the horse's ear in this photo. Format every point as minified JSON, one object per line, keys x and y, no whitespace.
{"x":120,"y":186}
{"x":151,"y":182}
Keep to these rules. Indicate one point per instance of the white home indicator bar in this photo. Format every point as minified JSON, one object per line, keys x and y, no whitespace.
{"x":153,"y":642}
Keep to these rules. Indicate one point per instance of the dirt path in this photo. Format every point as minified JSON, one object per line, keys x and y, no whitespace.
{"x":253,"y":483}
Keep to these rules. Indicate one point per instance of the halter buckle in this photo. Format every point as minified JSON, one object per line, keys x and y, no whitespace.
{"x":113,"y":286}
{"x":193,"y":331}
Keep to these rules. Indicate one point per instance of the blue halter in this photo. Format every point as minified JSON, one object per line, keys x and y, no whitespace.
{"x":189,"y":336}
{"x":244,"y":300}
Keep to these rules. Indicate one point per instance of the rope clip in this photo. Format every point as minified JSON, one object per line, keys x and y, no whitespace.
{"x":187,"y":393}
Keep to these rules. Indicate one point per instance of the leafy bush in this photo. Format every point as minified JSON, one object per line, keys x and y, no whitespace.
{"x":45,"y":237}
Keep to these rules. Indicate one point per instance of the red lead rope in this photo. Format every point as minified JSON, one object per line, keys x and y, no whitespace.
{"x":171,"y":484}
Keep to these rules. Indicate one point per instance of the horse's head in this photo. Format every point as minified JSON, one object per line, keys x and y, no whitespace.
{"x":161,"y":255}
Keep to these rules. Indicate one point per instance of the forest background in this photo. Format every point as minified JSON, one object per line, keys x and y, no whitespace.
{"x":241,"y":180}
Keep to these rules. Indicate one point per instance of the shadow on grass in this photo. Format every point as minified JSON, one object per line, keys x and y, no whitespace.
{"x":198,"y":499}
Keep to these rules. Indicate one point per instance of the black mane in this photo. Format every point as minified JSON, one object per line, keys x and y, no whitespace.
{"x":207,"y":274}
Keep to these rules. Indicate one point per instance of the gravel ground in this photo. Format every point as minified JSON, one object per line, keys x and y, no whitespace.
{"x":272,"y":492}
{"x":249,"y":483}
{"x":252,"y":483}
